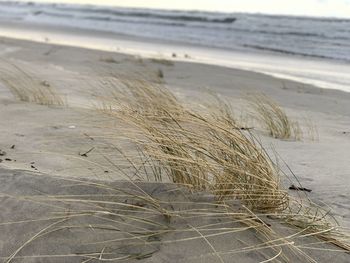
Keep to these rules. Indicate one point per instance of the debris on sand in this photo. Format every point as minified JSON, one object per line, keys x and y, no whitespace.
{"x":85,"y":154}
{"x":296,"y":188}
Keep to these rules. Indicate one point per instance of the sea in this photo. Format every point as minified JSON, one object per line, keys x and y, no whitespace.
{"x":320,"y":38}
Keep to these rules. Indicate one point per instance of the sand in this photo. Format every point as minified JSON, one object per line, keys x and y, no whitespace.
{"x":44,"y":144}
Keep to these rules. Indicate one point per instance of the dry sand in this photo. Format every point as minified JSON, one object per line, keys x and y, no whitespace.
{"x":45,"y":143}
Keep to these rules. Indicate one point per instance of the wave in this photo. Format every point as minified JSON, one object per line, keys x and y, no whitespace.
{"x":289,"y":52}
{"x":319,"y":36}
{"x":174,"y":15}
{"x":104,"y":18}
{"x":308,"y":18}
{"x":168,"y":22}
{"x":168,"y":18}
{"x":203,"y":17}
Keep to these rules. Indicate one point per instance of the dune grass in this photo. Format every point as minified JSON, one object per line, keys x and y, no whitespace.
{"x":200,"y":178}
{"x":26,"y":87}
{"x":273,"y":118}
{"x":202,"y":151}
{"x":133,"y":221}
{"x":207,"y":150}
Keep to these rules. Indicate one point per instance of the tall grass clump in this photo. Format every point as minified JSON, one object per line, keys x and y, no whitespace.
{"x":273,"y":118}
{"x":206,"y":150}
{"x":26,"y":87}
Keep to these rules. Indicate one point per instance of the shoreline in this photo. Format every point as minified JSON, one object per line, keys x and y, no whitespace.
{"x":282,"y":83}
{"x":307,"y":70}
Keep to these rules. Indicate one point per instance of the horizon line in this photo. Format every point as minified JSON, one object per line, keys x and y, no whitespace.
{"x":52,"y":2}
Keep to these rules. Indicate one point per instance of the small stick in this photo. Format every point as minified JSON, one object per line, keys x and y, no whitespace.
{"x":85,"y":154}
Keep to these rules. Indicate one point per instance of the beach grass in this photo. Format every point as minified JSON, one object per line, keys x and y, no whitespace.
{"x":208,"y":150}
{"x":200,"y":178}
{"x":202,"y":151}
{"x":27,"y":88}
{"x":135,"y":220}
{"x":273,"y":118}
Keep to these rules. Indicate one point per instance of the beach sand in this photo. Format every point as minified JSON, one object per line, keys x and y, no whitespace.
{"x":44,"y":144}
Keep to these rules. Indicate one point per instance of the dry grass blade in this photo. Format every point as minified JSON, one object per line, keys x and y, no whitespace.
{"x":273,"y":118}
{"x":312,"y":130}
{"x":136,"y":95}
{"x":26,"y":87}
{"x":136,"y":229}
{"x":32,"y":239}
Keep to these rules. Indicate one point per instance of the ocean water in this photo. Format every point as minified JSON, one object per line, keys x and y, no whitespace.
{"x":309,"y":50}
{"x":324,"y":38}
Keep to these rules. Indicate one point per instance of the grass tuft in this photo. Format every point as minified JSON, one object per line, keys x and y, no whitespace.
{"x":202,"y":151}
{"x":274,"y":118}
{"x":26,"y":87}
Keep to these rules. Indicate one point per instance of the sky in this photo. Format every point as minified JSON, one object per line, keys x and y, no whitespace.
{"x":329,"y":8}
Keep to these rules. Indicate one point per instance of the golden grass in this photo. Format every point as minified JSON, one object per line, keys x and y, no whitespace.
{"x":207,"y":150}
{"x":223,"y":186}
{"x":202,"y":151}
{"x":136,"y":220}
{"x":274,"y":118}
{"x":26,"y":87}
{"x":136,"y":95}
